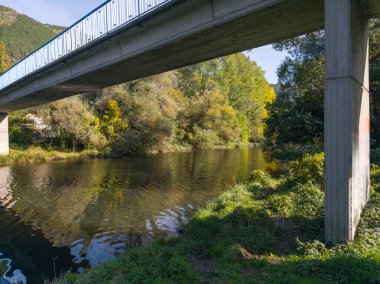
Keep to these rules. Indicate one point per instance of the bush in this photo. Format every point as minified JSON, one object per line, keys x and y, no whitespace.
{"x":203,"y":138}
{"x":262,"y":178}
{"x":375,"y":156}
{"x":284,"y":153}
{"x":310,"y":168}
{"x":304,"y":201}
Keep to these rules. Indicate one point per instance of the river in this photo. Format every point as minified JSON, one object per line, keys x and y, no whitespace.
{"x":68,"y":215}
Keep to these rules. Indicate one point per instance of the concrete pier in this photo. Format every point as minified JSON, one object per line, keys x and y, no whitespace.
{"x":4,"y":135}
{"x":346,"y":118}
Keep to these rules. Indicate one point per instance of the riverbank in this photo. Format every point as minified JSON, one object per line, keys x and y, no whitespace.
{"x":268,"y":230}
{"x":40,"y":155}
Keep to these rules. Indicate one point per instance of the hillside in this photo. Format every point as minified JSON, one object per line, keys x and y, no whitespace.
{"x":26,"y":39}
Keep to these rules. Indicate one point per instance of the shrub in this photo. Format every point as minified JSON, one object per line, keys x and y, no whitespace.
{"x":310,"y":168}
{"x":203,"y":138}
{"x":283,"y":153}
{"x":262,"y":177}
{"x":304,"y":201}
{"x":375,"y":156}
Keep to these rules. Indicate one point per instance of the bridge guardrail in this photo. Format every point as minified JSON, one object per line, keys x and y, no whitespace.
{"x":103,"y":20}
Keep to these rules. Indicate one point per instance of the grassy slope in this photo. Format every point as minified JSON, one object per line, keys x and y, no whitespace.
{"x":266,"y":231}
{"x":22,"y":34}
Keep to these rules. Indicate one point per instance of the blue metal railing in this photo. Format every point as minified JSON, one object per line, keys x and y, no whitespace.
{"x":103,"y":20}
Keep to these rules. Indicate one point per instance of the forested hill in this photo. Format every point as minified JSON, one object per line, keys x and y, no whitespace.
{"x":22,"y":34}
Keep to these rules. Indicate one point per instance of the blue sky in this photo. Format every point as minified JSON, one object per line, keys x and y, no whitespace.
{"x":66,"y":12}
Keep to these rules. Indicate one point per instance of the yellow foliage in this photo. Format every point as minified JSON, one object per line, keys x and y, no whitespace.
{"x":271,"y":95}
{"x":113,"y":109}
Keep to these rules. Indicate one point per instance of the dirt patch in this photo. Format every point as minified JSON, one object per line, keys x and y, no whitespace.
{"x":283,"y":223}
{"x":288,"y":232}
{"x":203,"y":267}
{"x":247,"y":255}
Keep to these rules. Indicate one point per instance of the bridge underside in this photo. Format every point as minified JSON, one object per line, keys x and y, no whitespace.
{"x":187,"y":33}
{"x":193,"y":31}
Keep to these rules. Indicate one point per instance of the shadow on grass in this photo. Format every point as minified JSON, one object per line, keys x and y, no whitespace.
{"x":249,"y":245}
{"x":255,"y":230}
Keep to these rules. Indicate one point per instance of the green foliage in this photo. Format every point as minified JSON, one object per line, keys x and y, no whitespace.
{"x":262,"y":178}
{"x":72,"y":124}
{"x":144,"y":113}
{"x":375,"y":156}
{"x":21,"y":130}
{"x":209,"y":117}
{"x":286,"y":152}
{"x":309,"y":169}
{"x":203,"y":138}
{"x":296,"y":116}
{"x":231,"y":93}
{"x":303,"y":201}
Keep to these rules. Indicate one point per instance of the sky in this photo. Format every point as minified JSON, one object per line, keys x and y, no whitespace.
{"x":66,"y":12}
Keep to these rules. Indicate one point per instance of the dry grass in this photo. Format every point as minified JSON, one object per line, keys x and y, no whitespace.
{"x":39,"y":155}
{"x":7,"y":16}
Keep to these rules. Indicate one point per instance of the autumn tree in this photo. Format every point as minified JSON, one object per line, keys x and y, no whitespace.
{"x":141,"y":114}
{"x":240,"y":81}
{"x":71,"y":123}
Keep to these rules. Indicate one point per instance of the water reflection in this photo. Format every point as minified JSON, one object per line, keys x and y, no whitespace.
{"x":5,"y":267}
{"x":81,"y":213}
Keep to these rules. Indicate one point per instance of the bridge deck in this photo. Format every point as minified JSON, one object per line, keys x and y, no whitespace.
{"x":185,"y":33}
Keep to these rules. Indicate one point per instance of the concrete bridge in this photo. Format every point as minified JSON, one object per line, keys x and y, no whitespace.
{"x":125,"y":40}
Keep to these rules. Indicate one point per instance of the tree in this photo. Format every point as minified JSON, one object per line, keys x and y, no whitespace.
{"x":5,"y":60}
{"x":139,"y":116}
{"x":296,"y":117}
{"x":72,"y":123}
{"x":112,"y":123}
{"x":240,"y":81}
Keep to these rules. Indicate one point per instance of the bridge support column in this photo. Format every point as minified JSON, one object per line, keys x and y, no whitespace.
{"x":346,"y":118}
{"x":4,"y":135}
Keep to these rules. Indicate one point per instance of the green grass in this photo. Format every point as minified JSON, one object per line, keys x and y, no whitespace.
{"x":269,"y":230}
{"x":37,"y":154}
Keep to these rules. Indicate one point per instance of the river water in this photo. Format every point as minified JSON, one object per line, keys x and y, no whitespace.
{"x":68,"y":215}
